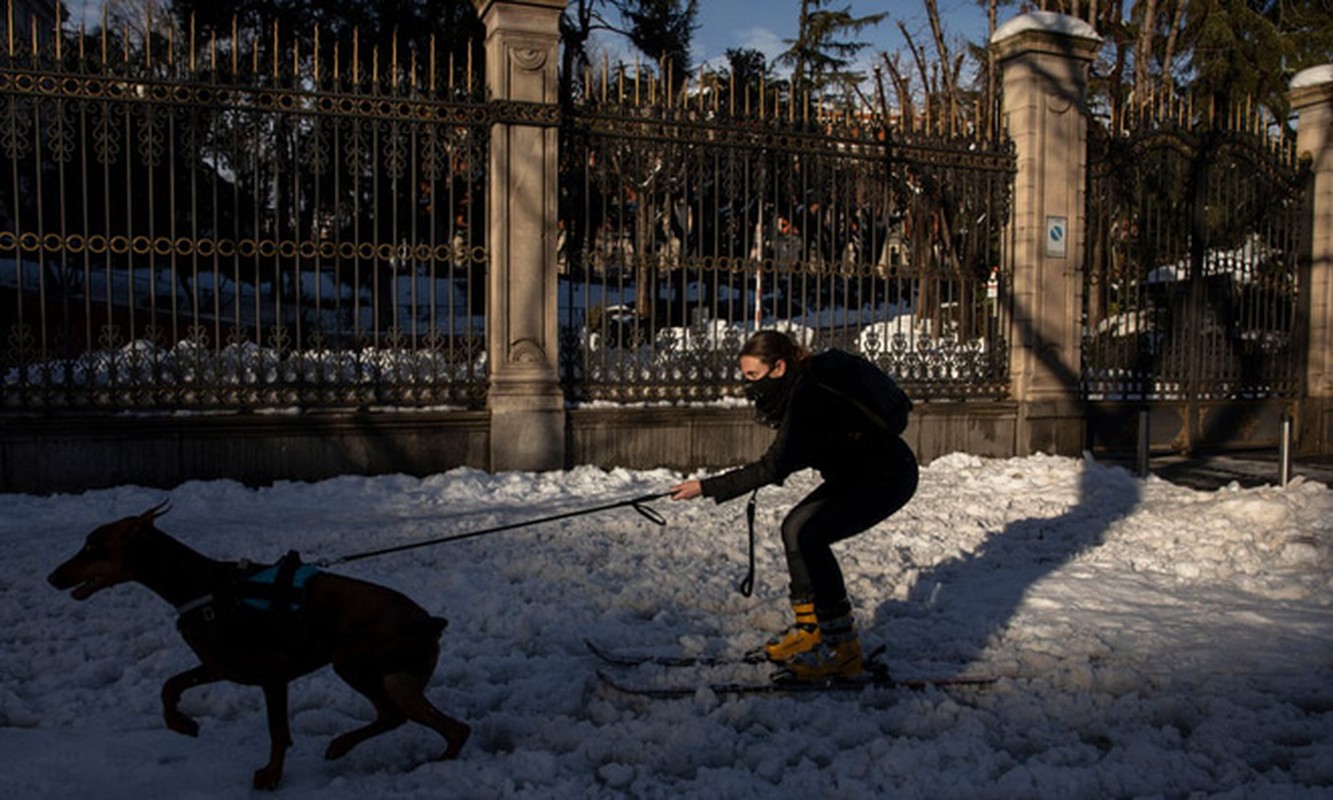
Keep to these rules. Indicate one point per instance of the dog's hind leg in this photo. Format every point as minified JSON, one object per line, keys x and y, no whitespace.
{"x":279,"y":733}
{"x":408,"y":694}
{"x":387,"y":714}
{"x":171,"y":697}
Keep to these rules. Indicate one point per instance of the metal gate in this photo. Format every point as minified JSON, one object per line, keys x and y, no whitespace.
{"x":240,"y":224}
{"x":689,"y":218}
{"x":1192,"y":282}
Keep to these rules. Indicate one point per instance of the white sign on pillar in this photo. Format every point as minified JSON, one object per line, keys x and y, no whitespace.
{"x":1057,"y":233}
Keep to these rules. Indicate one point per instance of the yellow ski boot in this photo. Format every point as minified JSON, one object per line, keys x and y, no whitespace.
{"x":837,"y":654}
{"x":800,"y":637}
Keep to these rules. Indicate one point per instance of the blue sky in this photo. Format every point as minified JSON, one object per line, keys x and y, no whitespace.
{"x":764,"y":24}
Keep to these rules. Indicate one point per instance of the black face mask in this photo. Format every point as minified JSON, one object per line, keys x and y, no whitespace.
{"x":769,"y":396}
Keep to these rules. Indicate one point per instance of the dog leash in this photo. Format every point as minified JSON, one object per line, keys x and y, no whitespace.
{"x":746,"y":586}
{"x":636,"y":503}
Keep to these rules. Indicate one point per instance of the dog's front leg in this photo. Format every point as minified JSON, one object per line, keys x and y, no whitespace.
{"x":171,"y":697}
{"x":279,"y":733}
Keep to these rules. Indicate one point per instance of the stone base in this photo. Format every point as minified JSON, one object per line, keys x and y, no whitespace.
{"x":527,"y":423}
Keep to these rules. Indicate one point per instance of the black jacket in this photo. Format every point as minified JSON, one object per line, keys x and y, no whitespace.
{"x":829,"y":425}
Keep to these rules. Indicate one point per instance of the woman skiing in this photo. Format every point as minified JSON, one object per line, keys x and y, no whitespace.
{"x":841,"y":415}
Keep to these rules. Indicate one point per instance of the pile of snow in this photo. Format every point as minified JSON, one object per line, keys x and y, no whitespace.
{"x":1244,"y":264}
{"x":1152,"y":640}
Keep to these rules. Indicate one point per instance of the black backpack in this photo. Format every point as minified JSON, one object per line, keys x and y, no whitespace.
{"x":874,"y":393}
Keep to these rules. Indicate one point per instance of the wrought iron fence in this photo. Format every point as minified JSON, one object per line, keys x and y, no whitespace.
{"x":247,"y":224}
{"x":688,"y":221}
{"x":1192,"y":286}
{"x":203,"y":224}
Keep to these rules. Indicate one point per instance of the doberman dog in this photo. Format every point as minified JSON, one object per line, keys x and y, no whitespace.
{"x":380,"y":642}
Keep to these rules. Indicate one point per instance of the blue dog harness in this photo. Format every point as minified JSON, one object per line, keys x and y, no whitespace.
{"x":269,"y":589}
{"x":279,"y":588}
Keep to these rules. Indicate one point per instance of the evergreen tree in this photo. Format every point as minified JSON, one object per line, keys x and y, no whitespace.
{"x":577,"y":23}
{"x":412,"y":25}
{"x":821,"y":55}
{"x":748,"y":67}
{"x":1240,"y":49}
{"x":740,"y":80}
{"x":663,"y":31}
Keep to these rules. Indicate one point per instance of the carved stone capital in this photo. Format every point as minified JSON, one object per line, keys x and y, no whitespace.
{"x":528,"y":353}
{"x":528,"y":59}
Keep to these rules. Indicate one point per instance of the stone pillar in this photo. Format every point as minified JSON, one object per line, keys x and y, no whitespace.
{"x":1312,"y":98}
{"x":527,"y":407}
{"x":1044,"y":58}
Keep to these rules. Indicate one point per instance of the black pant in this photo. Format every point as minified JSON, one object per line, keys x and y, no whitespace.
{"x":837,"y":510}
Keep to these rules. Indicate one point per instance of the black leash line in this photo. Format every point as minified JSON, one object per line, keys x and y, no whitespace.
{"x":746,"y":586}
{"x":636,"y":503}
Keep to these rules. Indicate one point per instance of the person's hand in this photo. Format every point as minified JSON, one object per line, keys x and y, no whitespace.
{"x":687,"y":490}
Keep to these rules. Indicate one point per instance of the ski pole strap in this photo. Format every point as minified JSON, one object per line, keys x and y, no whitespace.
{"x":746,"y":586}
{"x":639,"y":504}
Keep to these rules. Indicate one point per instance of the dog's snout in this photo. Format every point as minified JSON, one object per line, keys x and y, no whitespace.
{"x":59,"y":577}
{"x":54,"y":577}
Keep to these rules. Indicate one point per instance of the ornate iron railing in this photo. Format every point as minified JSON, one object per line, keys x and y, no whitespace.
{"x":1191,"y":286}
{"x":238,"y":224}
{"x":688,"y":222}
{"x":248,"y":224}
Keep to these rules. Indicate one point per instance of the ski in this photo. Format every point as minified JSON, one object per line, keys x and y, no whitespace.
{"x":621,"y":659}
{"x":876,"y":675}
{"x":780,"y":686}
{"x":874,"y":663}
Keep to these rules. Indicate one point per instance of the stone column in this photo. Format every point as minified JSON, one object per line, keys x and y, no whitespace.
{"x":1312,"y":98}
{"x":527,"y":407}
{"x":1044,"y":58}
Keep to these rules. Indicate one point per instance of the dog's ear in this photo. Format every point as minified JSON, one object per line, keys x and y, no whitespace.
{"x":154,"y":512}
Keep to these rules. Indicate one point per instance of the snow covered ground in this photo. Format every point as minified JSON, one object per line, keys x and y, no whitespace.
{"x":1154,"y":641}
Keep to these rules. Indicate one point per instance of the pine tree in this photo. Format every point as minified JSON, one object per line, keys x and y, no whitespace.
{"x":578,"y":22}
{"x":747,"y":69}
{"x":822,"y":53}
{"x":663,"y":31}
{"x":1240,"y":49}
{"x":449,"y":26}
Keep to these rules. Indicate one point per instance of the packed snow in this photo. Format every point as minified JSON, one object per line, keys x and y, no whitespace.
{"x":1151,"y":641}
